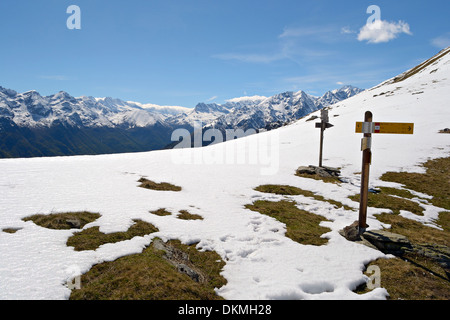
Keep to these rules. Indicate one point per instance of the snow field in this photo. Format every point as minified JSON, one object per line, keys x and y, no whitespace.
{"x":261,"y":263}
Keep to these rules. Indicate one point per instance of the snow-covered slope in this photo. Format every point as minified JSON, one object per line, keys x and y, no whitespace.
{"x":218,"y":181}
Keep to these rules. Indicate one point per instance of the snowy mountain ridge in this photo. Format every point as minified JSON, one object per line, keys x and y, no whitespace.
{"x":30,"y":109}
{"x":60,"y":124}
{"x":259,"y":112}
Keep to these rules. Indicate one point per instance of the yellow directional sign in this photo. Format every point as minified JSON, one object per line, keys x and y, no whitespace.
{"x":384,"y":127}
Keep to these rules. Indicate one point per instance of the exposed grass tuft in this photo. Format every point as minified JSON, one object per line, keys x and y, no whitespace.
{"x":414,"y":276}
{"x":208,"y":263}
{"x":186,"y":215}
{"x":294,"y":191}
{"x":161,"y":212}
{"x":284,"y":190}
{"x":398,"y":192}
{"x":415,"y":231}
{"x":411,"y":280}
{"x":444,"y":221}
{"x":301,"y":226}
{"x":11,"y":230}
{"x":435,"y":182}
{"x":386,"y":201}
{"x":61,"y":221}
{"x":92,"y":238}
{"x":163,"y":186}
{"x":149,"y":276}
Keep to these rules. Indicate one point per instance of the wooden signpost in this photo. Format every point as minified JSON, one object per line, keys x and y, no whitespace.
{"x":368,"y":128}
{"x":386,"y":127}
{"x":324,"y":124}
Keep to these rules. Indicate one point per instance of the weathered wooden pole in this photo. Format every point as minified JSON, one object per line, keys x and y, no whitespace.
{"x":368,"y":127}
{"x":322,"y":129}
{"x":323,"y":124}
{"x":366,"y":161}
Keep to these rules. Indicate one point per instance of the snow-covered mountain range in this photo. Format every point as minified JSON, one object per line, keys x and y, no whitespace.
{"x":30,"y":109}
{"x":272,"y":112}
{"x":114,"y":125}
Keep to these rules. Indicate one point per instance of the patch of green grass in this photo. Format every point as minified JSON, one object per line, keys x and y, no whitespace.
{"x":405,"y":280}
{"x":301,"y":226}
{"x":284,"y":190}
{"x":444,"y":221}
{"x":435,"y":182}
{"x":11,"y":230}
{"x":398,"y":192}
{"x":61,"y":221}
{"x":294,"y":191}
{"x":161,"y":212}
{"x":413,"y":276}
{"x":208,"y":263}
{"x":92,"y":238}
{"x":415,"y":231}
{"x":186,"y":215}
{"x":163,"y":186}
{"x":149,"y":276}
{"x":386,"y":201}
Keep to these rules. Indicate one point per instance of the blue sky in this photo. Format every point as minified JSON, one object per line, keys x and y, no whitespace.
{"x":181,"y":52}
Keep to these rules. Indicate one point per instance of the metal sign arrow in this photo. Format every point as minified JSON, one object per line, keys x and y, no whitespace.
{"x":326,"y":125}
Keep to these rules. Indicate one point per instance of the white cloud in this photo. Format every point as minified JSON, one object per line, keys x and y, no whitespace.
{"x":347,"y":30}
{"x":340,"y":83}
{"x":212,"y":99}
{"x":441,"y":41}
{"x":382,"y":31}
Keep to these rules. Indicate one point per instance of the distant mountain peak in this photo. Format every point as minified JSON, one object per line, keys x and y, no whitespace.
{"x":31,"y":93}
{"x":61,"y":95}
{"x":8,"y":92}
{"x":210,"y":108}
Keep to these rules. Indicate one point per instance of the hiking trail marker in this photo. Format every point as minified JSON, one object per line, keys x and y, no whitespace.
{"x":385,"y":127}
{"x":324,"y":124}
{"x":368,"y":128}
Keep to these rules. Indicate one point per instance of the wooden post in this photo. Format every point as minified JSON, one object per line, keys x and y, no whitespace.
{"x":366,"y":160}
{"x":322,"y":129}
{"x":368,"y":127}
{"x":323,"y":125}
